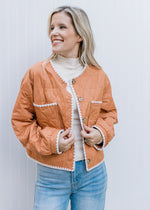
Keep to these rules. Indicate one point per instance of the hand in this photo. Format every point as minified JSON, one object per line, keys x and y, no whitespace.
{"x":92,"y":135}
{"x":65,"y":141}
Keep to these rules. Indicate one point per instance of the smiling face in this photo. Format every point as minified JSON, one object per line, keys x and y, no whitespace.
{"x":65,"y":41}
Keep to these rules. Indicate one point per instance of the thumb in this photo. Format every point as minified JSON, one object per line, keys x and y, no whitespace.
{"x":65,"y":133}
{"x":87,"y":129}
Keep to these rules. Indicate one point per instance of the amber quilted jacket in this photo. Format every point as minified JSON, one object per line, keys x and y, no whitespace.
{"x":44,"y":108}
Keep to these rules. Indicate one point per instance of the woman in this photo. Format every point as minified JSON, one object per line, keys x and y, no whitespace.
{"x":64,"y":116}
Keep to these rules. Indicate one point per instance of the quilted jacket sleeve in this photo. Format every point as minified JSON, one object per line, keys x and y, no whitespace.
{"x":30,"y":134}
{"x":107,"y":117}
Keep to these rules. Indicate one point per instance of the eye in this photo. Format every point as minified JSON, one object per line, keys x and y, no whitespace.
{"x":62,"y":27}
{"x":52,"y":27}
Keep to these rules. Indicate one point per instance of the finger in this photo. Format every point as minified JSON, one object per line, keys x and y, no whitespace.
{"x":65,"y":141}
{"x":88,"y":142}
{"x":65,"y":133}
{"x":64,"y":145}
{"x":67,"y":148}
{"x":87,"y":129}
{"x":68,"y":143}
{"x":85,"y":135}
{"x":70,"y":140}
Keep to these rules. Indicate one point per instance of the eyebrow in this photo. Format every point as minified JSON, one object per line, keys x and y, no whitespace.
{"x":60,"y":24}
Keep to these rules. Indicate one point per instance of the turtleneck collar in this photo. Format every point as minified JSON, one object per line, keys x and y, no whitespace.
{"x":69,"y":60}
{"x":68,"y":63}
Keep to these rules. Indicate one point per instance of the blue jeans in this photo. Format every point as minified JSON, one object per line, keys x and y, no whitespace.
{"x":86,"y":190}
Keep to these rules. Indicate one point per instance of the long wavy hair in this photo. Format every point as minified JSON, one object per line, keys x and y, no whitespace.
{"x":82,"y":27}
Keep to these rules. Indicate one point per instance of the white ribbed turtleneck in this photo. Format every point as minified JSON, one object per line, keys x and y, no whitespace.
{"x":69,"y":68}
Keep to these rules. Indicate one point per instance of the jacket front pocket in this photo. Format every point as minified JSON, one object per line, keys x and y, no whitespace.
{"x":48,"y":115}
{"x":95,"y":107}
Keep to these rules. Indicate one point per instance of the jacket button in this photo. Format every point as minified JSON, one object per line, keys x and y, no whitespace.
{"x":83,"y":120}
{"x":80,"y":99}
{"x":88,"y":161}
{"x":73,"y":81}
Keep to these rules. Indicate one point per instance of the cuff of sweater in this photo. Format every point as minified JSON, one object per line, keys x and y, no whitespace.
{"x":57,"y":142}
{"x":100,"y":145}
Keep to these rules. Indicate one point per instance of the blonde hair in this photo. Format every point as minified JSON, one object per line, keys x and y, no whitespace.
{"x":82,"y":27}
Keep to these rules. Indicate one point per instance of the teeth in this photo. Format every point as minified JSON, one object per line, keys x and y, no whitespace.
{"x":57,"y":41}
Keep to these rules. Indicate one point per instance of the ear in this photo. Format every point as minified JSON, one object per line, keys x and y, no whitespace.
{"x":80,"y":39}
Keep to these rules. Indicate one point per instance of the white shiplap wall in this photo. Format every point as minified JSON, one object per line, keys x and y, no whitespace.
{"x":121,"y":30}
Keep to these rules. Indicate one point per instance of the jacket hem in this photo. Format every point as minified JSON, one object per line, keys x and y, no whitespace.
{"x":89,"y":169}
{"x":50,"y":166}
{"x":61,"y":168}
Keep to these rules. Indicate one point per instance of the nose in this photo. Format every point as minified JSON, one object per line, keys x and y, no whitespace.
{"x":54,"y":31}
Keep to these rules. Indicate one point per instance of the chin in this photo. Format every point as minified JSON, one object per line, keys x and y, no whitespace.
{"x":56,"y":51}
